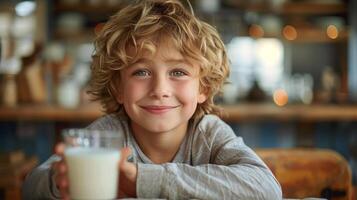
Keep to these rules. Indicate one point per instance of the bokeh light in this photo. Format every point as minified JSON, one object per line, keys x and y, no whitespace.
{"x":332,"y":31}
{"x":280,"y":97}
{"x":290,"y":32}
{"x":256,"y":31}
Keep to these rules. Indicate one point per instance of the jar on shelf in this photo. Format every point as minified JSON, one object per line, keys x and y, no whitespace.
{"x":8,"y":90}
{"x":68,"y":95}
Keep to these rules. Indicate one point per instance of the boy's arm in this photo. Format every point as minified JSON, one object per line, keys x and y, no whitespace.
{"x":234,"y":172}
{"x":39,"y":184}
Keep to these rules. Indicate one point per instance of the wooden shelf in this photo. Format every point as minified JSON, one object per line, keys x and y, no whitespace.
{"x":270,"y":112}
{"x":87,"y":112}
{"x":311,"y":35}
{"x":232,"y":113}
{"x":307,"y":35}
{"x":318,"y":35}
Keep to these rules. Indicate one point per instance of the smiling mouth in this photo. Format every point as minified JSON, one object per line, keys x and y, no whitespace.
{"x":158,"y":109}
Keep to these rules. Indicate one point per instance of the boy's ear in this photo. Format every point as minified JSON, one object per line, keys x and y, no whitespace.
{"x":202,"y":97}
{"x":119,"y":98}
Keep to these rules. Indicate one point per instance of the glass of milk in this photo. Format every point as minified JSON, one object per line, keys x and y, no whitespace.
{"x":92,"y":157}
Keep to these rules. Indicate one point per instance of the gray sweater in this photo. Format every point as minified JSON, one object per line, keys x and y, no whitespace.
{"x":212,"y":163}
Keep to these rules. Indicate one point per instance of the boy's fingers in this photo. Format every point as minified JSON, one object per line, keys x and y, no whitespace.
{"x":59,"y":149}
{"x":59,"y":167}
{"x":62,"y":168}
{"x":60,"y":176}
{"x":124,"y":165}
{"x":61,"y":172}
{"x":125,"y":153}
{"x":64,"y":193}
{"x":63,"y":182}
{"x":128,"y":169}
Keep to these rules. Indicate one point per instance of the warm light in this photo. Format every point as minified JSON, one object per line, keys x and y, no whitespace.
{"x":256,"y":31}
{"x":98,"y":28}
{"x":280,"y":97}
{"x":332,"y":31}
{"x":290,"y":32}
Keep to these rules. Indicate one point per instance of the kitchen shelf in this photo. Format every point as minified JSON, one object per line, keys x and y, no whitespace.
{"x":307,"y":35}
{"x":312,"y":35}
{"x":88,"y":112}
{"x":298,"y":112}
{"x":231,"y":113}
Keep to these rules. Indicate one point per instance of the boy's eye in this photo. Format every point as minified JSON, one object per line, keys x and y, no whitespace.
{"x":178,"y":73}
{"x":141,"y":73}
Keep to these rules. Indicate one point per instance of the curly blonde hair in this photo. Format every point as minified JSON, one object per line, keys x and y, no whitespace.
{"x":141,"y":25}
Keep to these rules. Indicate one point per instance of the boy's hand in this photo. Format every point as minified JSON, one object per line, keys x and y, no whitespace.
{"x":60,"y":172}
{"x":128,"y":173}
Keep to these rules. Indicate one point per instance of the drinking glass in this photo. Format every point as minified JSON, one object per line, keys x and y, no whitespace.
{"x":92,"y":157}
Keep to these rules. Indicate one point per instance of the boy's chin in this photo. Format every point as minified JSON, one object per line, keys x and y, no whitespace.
{"x":159,"y":128}
{"x":162,"y":126}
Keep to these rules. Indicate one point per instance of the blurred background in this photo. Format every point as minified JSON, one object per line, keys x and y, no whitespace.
{"x":292,"y":83}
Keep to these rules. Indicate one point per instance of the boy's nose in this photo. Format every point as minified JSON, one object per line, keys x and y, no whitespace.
{"x":160,"y":88}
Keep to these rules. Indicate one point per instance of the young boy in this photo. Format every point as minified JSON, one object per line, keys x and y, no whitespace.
{"x":155,"y":70}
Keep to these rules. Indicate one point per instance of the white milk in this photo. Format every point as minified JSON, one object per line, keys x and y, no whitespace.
{"x":93,"y":172}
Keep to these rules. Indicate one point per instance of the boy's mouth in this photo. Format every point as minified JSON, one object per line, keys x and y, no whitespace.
{"x":154,"y":109}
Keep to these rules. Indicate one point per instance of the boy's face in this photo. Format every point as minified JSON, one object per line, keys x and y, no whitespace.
{"x":160,"y":92}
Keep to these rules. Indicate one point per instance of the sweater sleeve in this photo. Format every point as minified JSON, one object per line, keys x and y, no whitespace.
{"x":231,"y":171}
{"x":39,"y":184}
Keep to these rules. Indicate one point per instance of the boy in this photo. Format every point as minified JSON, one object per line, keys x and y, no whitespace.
{"x":155,"y":70}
